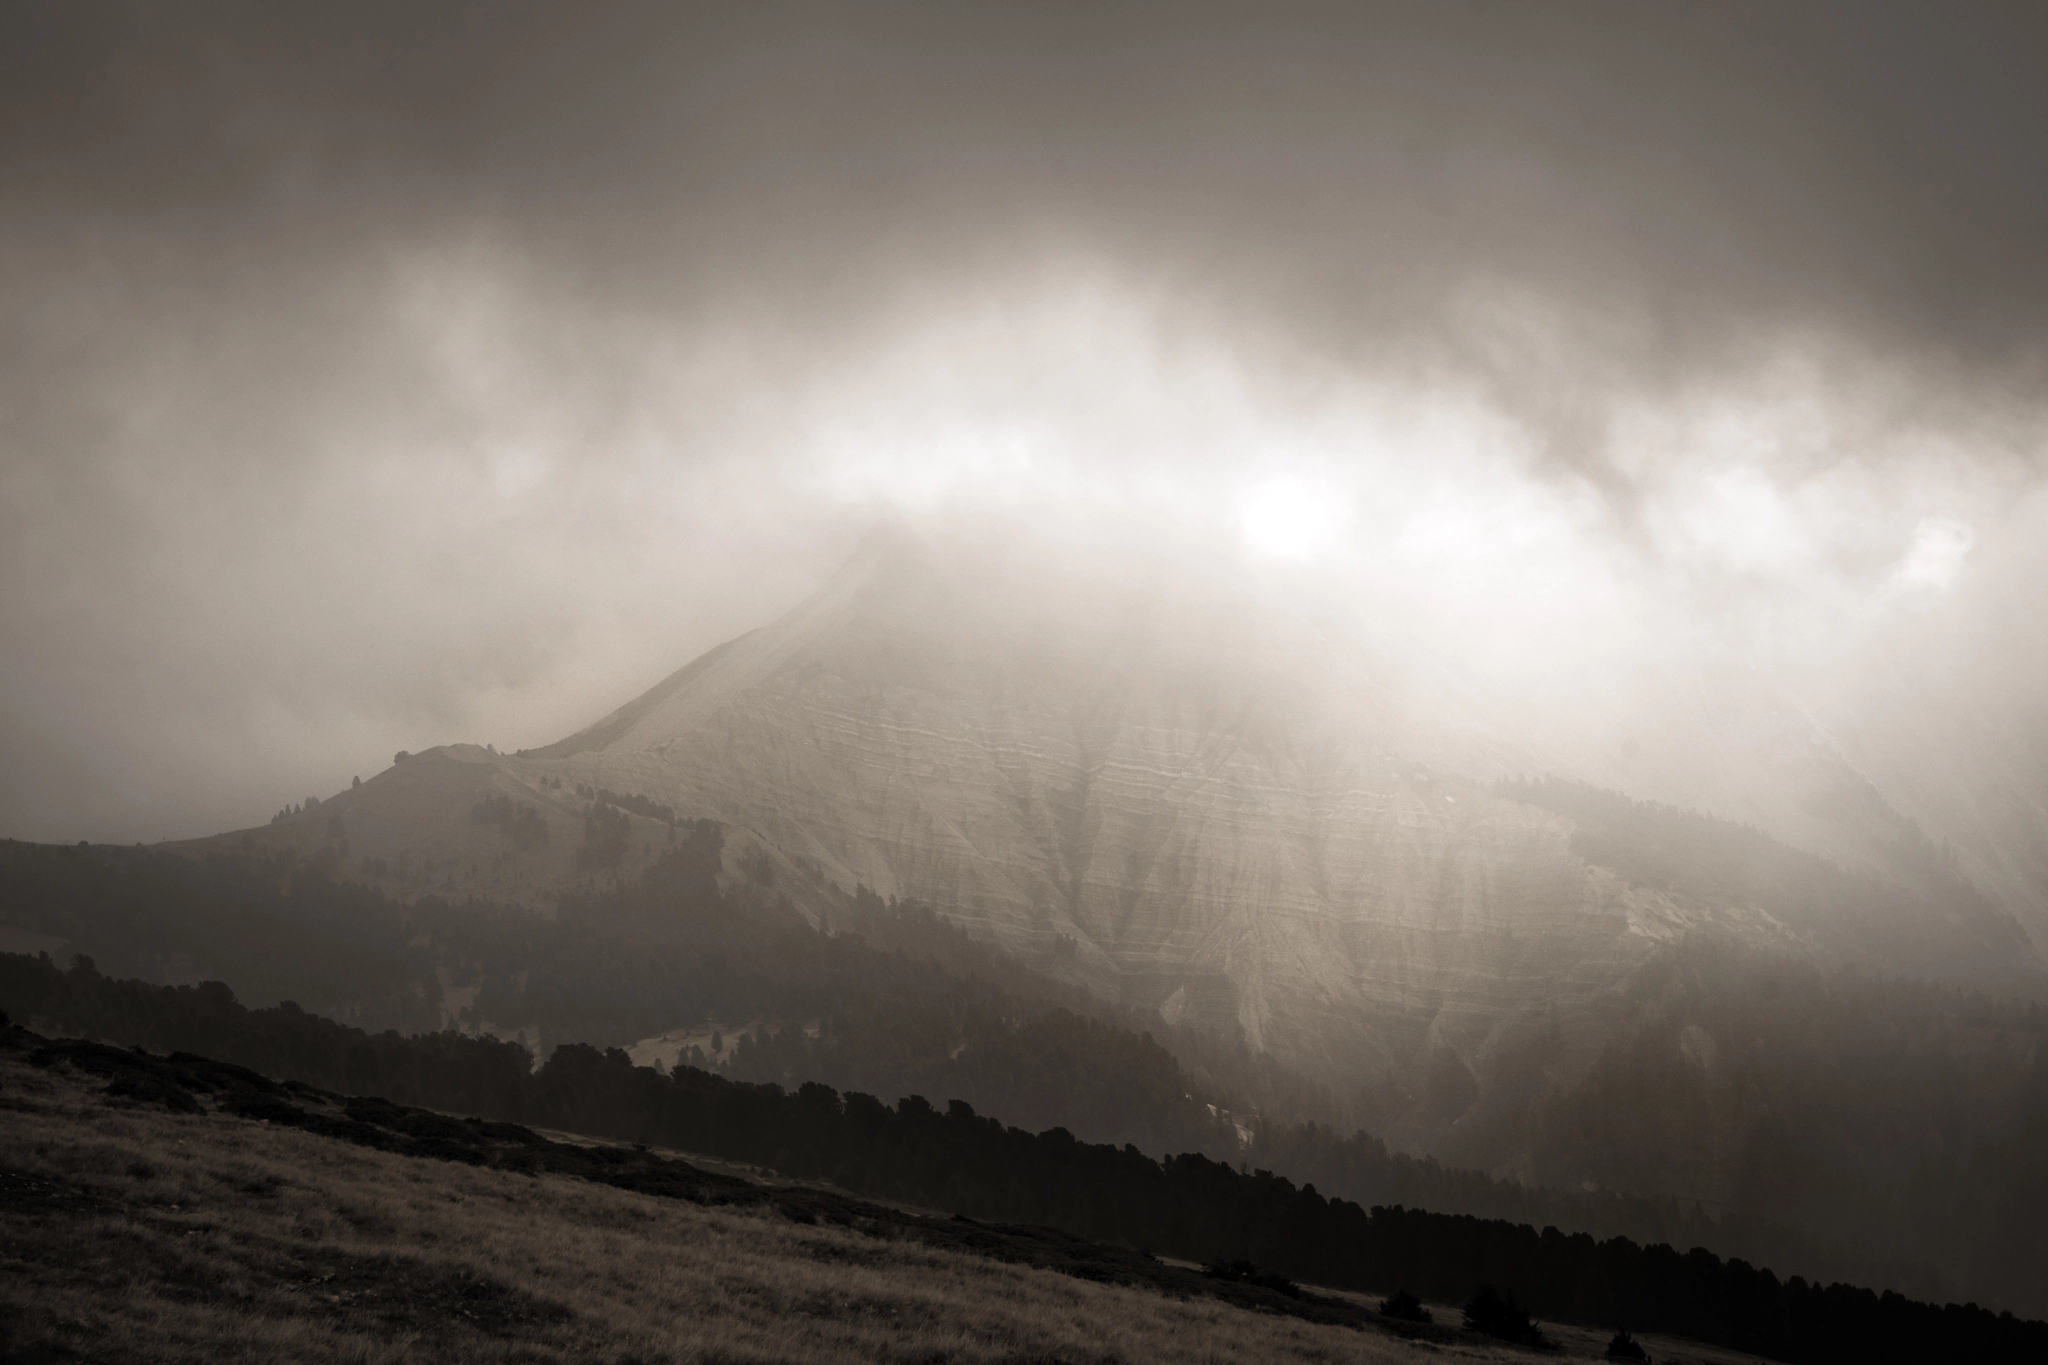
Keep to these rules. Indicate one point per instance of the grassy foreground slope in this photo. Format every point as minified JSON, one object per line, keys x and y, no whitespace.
{"x":135,"y":1229}
{"x":1100,"y":1197}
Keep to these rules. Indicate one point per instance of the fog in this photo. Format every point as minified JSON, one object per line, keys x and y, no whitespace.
{"x":379,"y":379}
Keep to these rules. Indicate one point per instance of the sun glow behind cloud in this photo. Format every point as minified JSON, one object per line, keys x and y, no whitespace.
{"x":1778,"y":516}
{"x":596,"y":496}
{"x":1066,"y":405}
{"x":464,"y":396}
{"x":1287,"y":517}
{"x":1769,"y":504}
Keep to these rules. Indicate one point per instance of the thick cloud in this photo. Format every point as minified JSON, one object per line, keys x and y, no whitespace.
{"x":374,"y":376}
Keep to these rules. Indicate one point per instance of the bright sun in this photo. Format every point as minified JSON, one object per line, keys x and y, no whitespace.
{"x":1287,"y":518}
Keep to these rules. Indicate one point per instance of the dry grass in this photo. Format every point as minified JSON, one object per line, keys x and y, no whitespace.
{"x":130,"y":1234}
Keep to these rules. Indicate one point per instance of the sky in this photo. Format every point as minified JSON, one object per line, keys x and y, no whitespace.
{"x":379,"y":376}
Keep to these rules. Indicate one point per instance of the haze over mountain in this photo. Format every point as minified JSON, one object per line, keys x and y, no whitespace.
{"x":380,"y":378}
{"x":1239,"y":817}
{"x":1443,"y":598}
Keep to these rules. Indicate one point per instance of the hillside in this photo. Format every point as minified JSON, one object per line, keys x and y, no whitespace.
{"x":135,"y":1232}
{"x":1185,"y":803}
{"x":1185,"y":1207}
{"x":893,"y":1001}
{"x":1904,"y":1114}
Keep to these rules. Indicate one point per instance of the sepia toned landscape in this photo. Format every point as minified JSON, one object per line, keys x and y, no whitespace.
{"x":229,"y":1235}
{"x":1061,"y":683}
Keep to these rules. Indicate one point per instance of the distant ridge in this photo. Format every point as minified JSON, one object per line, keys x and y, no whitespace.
{"x":620,"y":721}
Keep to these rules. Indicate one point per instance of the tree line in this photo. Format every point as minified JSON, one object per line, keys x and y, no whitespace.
{"x":956,"y":1159}
{"x":1859,"y":1129}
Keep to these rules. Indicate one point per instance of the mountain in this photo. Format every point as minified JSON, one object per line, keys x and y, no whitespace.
{"x":1226,"y":814}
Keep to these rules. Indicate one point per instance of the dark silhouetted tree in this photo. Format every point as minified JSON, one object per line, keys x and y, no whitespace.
{"x":1405,"y":1306}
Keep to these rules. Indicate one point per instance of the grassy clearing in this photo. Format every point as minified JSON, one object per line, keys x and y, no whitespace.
{"x":132,"y":1234}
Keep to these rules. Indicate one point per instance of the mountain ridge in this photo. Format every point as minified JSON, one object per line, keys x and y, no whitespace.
{"x":1161,"y":791}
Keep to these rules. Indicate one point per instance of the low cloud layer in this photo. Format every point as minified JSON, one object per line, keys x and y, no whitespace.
{"x":377,"y":378}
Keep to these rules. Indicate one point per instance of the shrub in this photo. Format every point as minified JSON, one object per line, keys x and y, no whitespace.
{"x":1405,"y":1306}
{"x":1626,"y":1347}
{"x":1498,"y":1315}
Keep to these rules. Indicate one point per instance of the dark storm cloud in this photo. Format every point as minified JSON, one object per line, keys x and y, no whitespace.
{"x":339,"y":362}
{"x":1868,"y":164}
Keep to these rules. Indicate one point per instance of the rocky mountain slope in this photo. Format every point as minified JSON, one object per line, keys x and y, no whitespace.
{"x":1181,"y":798}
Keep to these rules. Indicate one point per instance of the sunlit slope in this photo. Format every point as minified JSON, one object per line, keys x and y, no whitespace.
{"x":1172,"y":808}
{"x":1196,"y":804}
{"x":1204,"y":808}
